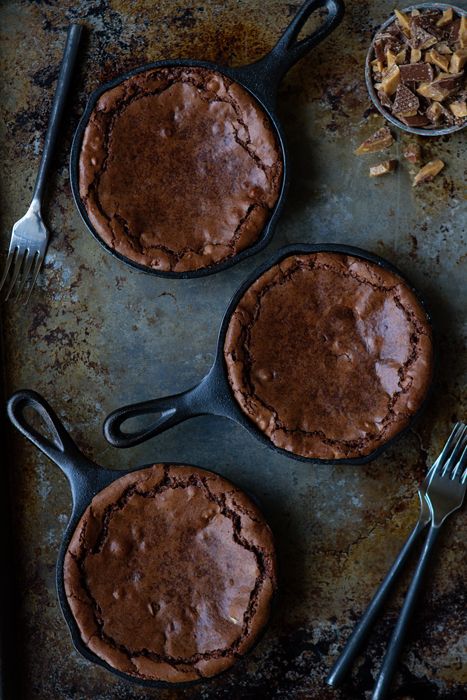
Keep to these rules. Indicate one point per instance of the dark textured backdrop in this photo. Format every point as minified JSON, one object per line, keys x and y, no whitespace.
{"x":97,"y":334}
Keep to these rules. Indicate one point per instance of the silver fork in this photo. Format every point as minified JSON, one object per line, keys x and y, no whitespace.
{"x":355,"y":643}
{"x":444,"y":495}
{"x":29,"y":236}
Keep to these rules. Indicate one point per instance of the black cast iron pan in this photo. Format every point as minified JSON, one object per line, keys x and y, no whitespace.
{"x":214,"y":396}
{"x":262,"y":80}
{"x":86,"y":479}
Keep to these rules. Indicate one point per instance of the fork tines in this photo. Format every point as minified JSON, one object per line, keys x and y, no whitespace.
{"x":453,"y":457}
{"x":21,"y":269}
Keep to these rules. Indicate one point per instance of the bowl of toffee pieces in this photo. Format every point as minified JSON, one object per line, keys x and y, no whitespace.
{"x":415,"y":69}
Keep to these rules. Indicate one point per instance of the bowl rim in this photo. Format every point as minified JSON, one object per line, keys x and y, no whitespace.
{"x":369,"y":82}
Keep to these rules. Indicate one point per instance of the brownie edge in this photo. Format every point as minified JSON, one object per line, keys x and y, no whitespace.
{"x":170,"y":574}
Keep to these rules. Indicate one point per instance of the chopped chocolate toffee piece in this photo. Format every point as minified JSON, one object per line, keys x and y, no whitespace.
{"x":405,"y":103}
{"x":390,"y":58}
{"x":401,"y":56}
{"x":379,"y":51}
{"x":416,"y":72}
{"x":443,"y":48}
{"x":450,"y":81}
{"x":384,"y":99}
{"x":437,"y":112}
{"x":432,"y":56}
{"x":413,"y":153}
{"x":454,"y":31}
{"x":417,"y":121}
{"x":386,"y":166}
{"x":433,"y":91}
{"x":434,"y":112}
{"x":402,"y":20}
{"x":419,"y":67}
{"x":377,"y":66}
{"x":458,"y":61}
{"x":462,"y":32}
{"x":445,"y":18}
{"x":419,"y":37}
{"x":378,"y":141}
{"x":428,"y":172}
{"x":442,"y":87}
{"x":459,"y":109}
{"x":390,"y":80}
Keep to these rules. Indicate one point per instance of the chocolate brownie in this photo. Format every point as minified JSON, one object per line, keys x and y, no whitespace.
{"x":329,"y":355}
{"x":170,"y":573}
{"x":179,"y":168}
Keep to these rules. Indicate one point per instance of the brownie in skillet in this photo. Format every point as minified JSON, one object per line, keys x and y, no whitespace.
{"x":329,"y":355}
{"x":170,"y":574}
{"x":179,"y":168}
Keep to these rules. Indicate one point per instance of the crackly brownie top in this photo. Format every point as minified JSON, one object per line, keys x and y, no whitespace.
{"x":170,"y":573}
{"x":329,"y":355}
{"x":179,"y":168}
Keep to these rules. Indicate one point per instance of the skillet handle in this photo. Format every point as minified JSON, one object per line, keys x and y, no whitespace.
{"x":266,"y":74}
{"x":60,"y":448}
{"x":197,"y":401}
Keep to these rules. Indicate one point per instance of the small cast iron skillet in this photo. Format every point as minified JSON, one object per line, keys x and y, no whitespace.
{"x":86,"y":479}
{"x":214,"y":396}
{"x":369,"y":75}
{"x":262,"y":80}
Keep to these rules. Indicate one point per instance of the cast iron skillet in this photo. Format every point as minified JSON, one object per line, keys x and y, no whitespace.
{"x":213,"y":395}
{"x":86,"y":479}
{"x":262,"y":80}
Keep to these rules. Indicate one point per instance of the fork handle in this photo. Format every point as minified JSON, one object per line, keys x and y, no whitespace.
{"x":388,"y":667}
{"x":61,"y":93}
{"x":351,"y":650}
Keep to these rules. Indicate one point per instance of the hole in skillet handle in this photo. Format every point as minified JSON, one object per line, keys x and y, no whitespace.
{"x":60,"y":448}
{"x":264,"y":75}
{"x":169,"y":412}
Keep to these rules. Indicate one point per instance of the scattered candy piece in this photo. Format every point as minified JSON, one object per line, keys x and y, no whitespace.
{"x":413,"y":153}
{"x":428,"y":172}
{"x":378,"y":141}
{"x":386,"y":166}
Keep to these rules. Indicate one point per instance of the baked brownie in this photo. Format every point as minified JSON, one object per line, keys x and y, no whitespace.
{"x":179,"y":168}
{"x":170,"y":574}
{"x":329,"y":355}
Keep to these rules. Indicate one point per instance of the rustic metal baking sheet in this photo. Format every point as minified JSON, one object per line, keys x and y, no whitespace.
{"x":98,"y":334}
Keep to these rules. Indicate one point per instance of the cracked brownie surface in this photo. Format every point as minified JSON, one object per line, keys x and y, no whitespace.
{"x":179,"y":168}
{"x":329,"y":355}
{"x":170,"y":573}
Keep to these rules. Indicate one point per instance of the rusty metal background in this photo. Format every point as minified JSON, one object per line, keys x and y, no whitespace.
{"x":97,"y":334}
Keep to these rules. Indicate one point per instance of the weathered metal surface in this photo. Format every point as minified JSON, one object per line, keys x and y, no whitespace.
{"x":97,"y":334}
